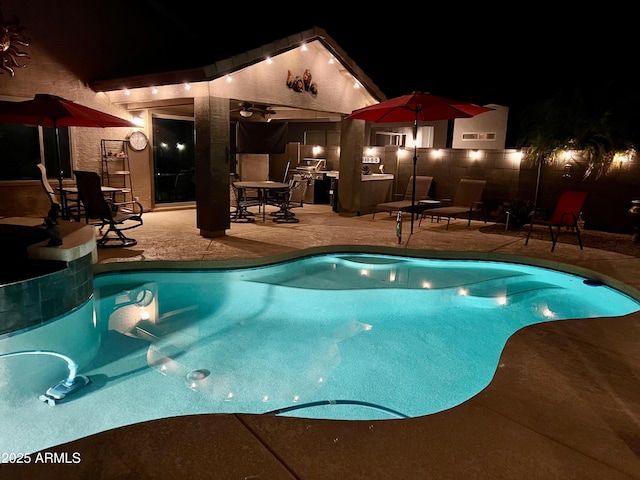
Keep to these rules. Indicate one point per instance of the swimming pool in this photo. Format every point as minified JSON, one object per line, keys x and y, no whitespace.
{"x":339,"y":336}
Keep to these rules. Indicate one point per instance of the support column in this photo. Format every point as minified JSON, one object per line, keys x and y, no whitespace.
{"x":212,"y":165}
{"x":350,"y":181}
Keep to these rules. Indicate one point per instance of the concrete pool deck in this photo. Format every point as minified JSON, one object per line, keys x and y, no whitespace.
{"x":564,"y":402}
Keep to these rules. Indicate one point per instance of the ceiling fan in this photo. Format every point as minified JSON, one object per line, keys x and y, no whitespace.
{"x":247,"y":110}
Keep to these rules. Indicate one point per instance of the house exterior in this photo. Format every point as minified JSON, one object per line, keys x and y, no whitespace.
{"x":209,"y":95}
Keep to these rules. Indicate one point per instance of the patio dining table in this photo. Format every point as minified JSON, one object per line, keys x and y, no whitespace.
{"x":263,"y":187}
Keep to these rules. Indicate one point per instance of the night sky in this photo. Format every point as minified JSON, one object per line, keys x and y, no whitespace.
{"x":493,"y":55}
{"x":510,"y":56}
{"x":515,"y":62}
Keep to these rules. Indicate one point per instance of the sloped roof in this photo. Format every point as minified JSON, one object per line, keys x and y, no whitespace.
{"x":229,"y":65}
{"x":107,"y":42}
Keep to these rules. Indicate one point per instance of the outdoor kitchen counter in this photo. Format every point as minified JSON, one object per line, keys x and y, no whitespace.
{"x":374,"y":189}
{"x":365,"y":178}
{"x":377,"y":176}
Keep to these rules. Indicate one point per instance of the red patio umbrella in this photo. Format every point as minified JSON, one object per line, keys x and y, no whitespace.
{"x":53,"y":111}
{"x":417,"y":107}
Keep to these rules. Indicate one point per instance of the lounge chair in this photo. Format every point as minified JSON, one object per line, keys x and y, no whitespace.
{"x":565,"y":214}
{"x":468,"y":199}
{"x":115,"y":216}
{"x":423,"y":185}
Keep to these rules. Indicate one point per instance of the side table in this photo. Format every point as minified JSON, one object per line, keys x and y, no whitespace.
{"x":425,"y":206}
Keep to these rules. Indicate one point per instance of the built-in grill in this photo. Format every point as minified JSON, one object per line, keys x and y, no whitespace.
{"x":314,"y":169}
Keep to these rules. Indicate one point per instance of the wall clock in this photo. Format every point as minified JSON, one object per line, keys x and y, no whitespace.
{"x":138,"y":140}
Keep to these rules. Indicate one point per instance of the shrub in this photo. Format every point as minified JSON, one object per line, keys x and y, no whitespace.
{"x":520,"y":212}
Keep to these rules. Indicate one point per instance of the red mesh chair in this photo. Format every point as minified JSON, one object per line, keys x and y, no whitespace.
{"x":565,"y":214}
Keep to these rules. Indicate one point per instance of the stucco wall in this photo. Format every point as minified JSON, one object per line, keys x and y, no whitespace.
{"x":494,"y":121}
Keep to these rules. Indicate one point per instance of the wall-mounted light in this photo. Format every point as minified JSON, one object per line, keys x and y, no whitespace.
{"x":475,"y":154}
{"x":437,"y":153}
{"x":567,"y":171}
{"x":246,"y":113}
{"x":316,"y":149}
{"x":187,"y":86}
{"x":622,"y":157}
{"x":229,"y":79}
{"x":517,"y":156}
{"x":154,"y":90}
{"x":138,"y":120}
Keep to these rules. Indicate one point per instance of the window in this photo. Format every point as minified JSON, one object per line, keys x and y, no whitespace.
{"x":479,"y":136}
{"x":50,"y":153}
{"x":22,"y":148}
{"x":174,"y":159}
{"x":19,"y":152}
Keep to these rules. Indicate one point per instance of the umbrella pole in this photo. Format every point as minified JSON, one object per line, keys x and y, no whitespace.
{"x":535,"y":199}
{"x":58,"y":160}
{"x":415,"y":161}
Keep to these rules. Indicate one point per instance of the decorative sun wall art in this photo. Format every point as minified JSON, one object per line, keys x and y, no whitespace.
{"x":11,"y":39}
{"x":302,"y":84}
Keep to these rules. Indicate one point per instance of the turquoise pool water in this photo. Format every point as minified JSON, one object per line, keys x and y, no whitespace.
{"x":340,"y":336}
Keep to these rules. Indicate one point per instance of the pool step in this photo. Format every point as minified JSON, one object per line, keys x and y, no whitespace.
{"x":508,"y":287}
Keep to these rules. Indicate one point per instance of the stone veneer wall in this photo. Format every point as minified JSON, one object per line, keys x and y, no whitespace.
{"x":36,"y":300}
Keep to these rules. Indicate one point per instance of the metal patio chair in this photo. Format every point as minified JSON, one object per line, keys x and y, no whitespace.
{"x":291,"y":198}
{"x":114,"y":216}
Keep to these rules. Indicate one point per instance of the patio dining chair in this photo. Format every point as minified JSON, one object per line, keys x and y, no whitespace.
{"x":56,"y":206}
{"x":565,"y":214}
{"x":114,"y":216}
{"x":239,"y":212}
{"x":293,"y":197}
{"x":69,"y":208}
